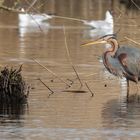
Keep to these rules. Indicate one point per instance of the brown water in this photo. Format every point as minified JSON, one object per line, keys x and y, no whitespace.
{"x":68,"y":114}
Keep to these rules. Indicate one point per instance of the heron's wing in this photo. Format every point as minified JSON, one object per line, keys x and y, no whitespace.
{"x":130,"y":59}
{"x":115,"y":67}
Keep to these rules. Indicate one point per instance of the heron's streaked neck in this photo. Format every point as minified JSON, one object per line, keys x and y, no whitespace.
{"x":109,"y":54}
{"x":114,"y":46}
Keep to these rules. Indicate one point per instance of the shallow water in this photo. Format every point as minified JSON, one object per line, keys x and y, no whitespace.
{"x":68,"y":113}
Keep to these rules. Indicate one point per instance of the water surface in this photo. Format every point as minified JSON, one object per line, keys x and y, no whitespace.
{"x":67,"y":114}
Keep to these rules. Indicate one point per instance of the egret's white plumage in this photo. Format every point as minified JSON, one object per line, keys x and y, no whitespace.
{"x":101,"y":24}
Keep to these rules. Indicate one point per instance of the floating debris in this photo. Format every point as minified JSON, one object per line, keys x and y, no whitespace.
{"x":13,"y":88}
{"x":105,"y":85}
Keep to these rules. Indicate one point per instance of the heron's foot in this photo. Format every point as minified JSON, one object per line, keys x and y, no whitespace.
{"x":137,"y":98}
{"x":138,"y":89}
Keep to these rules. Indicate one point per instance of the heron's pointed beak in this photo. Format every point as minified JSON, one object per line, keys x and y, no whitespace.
{"x":93,"y":42}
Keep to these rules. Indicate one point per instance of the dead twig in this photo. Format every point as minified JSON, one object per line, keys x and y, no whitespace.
{"x":46,"y":87}
{"x":132,"y":40}
{"x":31,"y":5}
{"x":69,"y":58}
{"x":135,"y":4}
{"x":91,"y":75}
{"x":129,"y":25}
{"x":120,"y":14}
{"x":36,"y":23}
{"x":92,"y":94}
{"x":51,"y":72}
{"x":69,"y":18}
{"x":10,"y":9}
{"x":71,"y":81}
{"x":77,"y":76}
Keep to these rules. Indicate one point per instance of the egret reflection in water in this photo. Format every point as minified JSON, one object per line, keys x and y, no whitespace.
{"x":33,"y":23}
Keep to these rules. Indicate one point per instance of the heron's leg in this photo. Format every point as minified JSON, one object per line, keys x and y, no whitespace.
{"x":136,"y":78}
{"x":137,"y":88}
{"x":137,"y":93}
{"x":127,"y":89}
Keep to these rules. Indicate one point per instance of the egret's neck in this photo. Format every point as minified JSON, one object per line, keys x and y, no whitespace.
{"x":109,"y":18}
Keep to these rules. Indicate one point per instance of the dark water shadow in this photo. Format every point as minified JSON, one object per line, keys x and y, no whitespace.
{"x":122,"y":114}
{"x":12,"y":112}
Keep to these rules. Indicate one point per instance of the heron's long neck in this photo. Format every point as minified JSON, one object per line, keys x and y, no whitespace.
{"x":110,"y":53}
{"x":114,"y":47}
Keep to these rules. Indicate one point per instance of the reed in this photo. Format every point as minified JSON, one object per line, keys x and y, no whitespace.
{"x":69,"y":58}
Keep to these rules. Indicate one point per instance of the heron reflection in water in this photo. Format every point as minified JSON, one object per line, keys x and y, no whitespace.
{"x":121,"y":61}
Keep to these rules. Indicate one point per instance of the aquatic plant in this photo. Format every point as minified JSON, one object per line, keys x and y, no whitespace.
{"x":13,"y":88}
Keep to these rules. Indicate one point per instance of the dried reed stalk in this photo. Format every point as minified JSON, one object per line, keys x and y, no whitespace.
{"x":31,"y":5}
{"x":54,"y":74}
{"x":92,"y":94}
{"x":46,"y":87}
{"x":69,"y":18}
{"x":132,"y":40}
{"x":135,"y":4}
{"x":69,"y":58}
